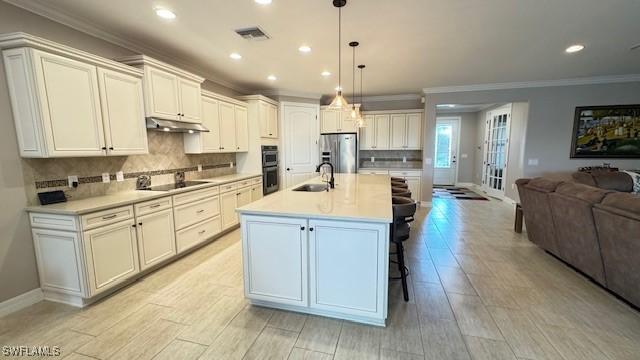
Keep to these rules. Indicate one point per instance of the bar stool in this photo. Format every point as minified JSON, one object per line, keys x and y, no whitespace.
{"x":402,"y":192}
{"x":399,"y":185}
{"x":403,"y":212}
{"x":398,"y":179}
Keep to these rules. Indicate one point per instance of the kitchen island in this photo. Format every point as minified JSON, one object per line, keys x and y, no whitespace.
{"x":322,"y":253}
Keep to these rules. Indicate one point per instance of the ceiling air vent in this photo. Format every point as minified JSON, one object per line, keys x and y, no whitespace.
{"x":253,"y":33}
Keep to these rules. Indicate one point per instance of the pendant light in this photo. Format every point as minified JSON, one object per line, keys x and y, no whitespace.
{"x":360,"y":121}
{"x":354,"y":111}
{"x":339,"y":102}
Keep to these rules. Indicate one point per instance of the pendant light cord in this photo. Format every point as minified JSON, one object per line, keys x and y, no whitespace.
{"x":339,"y":50}
{"x":361,"y":88}
{"x":353,"y":78}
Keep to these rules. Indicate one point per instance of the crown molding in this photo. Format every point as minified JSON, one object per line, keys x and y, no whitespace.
{"x":535,"y":84}
{"x":300,"y":94}
{"x":213,"y":95}
{"x":256,"y":97}
{"x":383,"y":98}
{"x":48,"y":11}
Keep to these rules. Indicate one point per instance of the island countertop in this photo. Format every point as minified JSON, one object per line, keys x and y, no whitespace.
{"x":355,"y":197}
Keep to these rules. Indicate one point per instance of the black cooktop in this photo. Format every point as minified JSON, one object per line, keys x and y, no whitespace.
{"x":174,"y":186}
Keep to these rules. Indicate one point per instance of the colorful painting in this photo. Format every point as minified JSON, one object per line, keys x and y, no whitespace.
{"x":606,"y":132}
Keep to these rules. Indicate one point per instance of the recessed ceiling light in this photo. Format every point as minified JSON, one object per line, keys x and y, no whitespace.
{"x":165,"y":13}
{"x":235,"y":56}
{"x":325,"y":73}
{"x":304,"y":49}
{"x":574,"y":48}
{"x":263,"y":2}
{"x":451,"y":106}
{"x":272,"y":77}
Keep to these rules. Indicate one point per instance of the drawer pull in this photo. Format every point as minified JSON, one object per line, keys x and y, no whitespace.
{"x":154,"y":206}
{"x":200,"y":211}
{"x":202,"y":232}
{"x":109,"y":216}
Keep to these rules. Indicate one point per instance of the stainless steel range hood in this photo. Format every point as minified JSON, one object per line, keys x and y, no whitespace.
{"x":174,"y":126}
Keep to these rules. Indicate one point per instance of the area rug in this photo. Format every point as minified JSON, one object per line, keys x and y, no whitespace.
{"x":457,"y":193}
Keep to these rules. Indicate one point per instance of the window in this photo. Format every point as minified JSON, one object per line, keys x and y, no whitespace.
{"x":443,"y":146}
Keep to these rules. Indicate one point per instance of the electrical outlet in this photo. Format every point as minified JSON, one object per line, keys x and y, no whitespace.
{"x":513,"y":186}
{"x":532,"y":162}
{"x":404,"y":159}
{"x":464,"y":156}
{"x":73,"y":181}
{"x":199,"y":167}
{"x":119,"y":176}
{"x":373,"y":159}
{"x":231,"y":164}
{"x":106,"y":178}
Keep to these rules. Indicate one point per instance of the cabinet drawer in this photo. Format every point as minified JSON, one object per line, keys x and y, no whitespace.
{"x":148,"y":207}
{"x":244,"y":183}
{"x":256,"y":180}
{"x":192,"y":213}
{"x":53,"y":221}
{"x":404,"y":173}
{"x":228,"y":187}
{"x":106,"y":217}
{"x":374,"y":172}
{"x":198,"y":233}
{"x":195,"y":195}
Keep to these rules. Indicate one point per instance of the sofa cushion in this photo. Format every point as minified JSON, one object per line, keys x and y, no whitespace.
{"x":582,"y":177}
{"x":583,"y":192}
{"x":624,"y":204}
{"x":537,"y":213}
{"x":614,"y":180}
{"x":543,"y":185}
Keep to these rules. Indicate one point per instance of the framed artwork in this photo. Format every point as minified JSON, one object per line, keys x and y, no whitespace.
{"x":606,"y":132}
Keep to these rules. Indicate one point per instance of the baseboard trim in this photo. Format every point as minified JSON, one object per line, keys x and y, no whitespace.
{"x":21,"y":301}
{"x":425,"y":204}
{"x":465,"y":184}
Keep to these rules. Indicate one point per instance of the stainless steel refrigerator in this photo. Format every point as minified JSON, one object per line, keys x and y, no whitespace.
{"x":341,"y":150}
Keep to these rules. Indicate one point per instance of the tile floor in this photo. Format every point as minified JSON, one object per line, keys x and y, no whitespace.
{"x":478,"y":291}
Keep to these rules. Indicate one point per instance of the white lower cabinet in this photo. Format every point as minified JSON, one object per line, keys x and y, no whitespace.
{"x":156,"y":237}
{"x":58,"y":253}
{"x":256,"y":192}
{"x":197,"y":234}
{"x":275,"y":259}
{"x":414,"y":181}
{"x":111,"y":253}
{"x":325,"y":267}
{"x":228,"y":205}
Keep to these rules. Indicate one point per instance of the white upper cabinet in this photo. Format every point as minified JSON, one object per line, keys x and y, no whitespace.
{"x":227,"y":122}
{"x":405,"y":131}
{"x":367,"y":133}
{"x":392,"y":130}
{"x":123,"y":113}
{"x":414,"y":131}
{"x":170,"y":92}
{"x":69,"y":103}
{"x":382,"y":126}
{"x":335,"y":121}
{"x":268,"y":119}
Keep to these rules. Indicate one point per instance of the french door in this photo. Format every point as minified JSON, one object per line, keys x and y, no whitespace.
{"x":445,"y":169}
{"x":496,"y":151}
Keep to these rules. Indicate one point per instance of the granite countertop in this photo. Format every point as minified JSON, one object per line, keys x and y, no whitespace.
{"x":97,"y":203}
{"x":355,"y":198}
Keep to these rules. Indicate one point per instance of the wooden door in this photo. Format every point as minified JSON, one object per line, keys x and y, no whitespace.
{"x":301,"y":148}
{"x":445,"y":167}
{"x":210,"y":120}
{"x":190,"y":99}
{"x":275,"y":259}
{"x":70,"y":106}
{"x":123,"y":113}
{"x":398,"y":131}
{"x":496,"y":151}
{"x":414,"y":132}
{"x":111,"y":253}
{"x":329,"y":121}
{"x":242,"y":129}
{"x":227,"y":127}
{"x":228,"y":205}
{"x":156,"y":237}
{"x":162,"y":99}
{"x":382,"y":134}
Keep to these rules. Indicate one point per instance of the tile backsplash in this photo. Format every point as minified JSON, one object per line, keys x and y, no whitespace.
{"x":391,"y":159}
{"x":166,"y":156}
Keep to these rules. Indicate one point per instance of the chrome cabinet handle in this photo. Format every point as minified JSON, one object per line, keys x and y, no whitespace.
{"x":154,"y":206}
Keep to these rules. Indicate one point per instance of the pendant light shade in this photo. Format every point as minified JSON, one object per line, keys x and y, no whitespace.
{"x":339,"y":102}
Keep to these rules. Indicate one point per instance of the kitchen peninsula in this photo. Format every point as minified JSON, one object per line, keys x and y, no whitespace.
{"x":324,"y":252}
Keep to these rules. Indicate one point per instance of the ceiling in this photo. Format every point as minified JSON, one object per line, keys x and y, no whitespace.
{"x":407,"y":45}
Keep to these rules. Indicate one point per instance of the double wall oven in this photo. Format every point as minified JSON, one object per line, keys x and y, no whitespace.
{"x":270,"y":169}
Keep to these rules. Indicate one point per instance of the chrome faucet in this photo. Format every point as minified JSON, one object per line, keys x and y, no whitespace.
{"x":332,"y":181}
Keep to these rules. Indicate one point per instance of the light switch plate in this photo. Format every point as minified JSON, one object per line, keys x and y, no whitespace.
{"x":404,"y":159}
{"x":119,"y":176}
{"x":373,"y":159}
{"x":231,"y":164}
{"x":464,"y":156}
{"x":106,"y":178}
{"x":532,"y":162}
{"x":199,"y":167}
{"x":72,"y":179}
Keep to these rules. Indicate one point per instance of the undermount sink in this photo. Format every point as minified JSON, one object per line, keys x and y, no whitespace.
{"x":312,"y":187}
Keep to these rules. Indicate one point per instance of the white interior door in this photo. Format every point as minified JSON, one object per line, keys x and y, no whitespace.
{"x":445,"y":168}
{"x":300,"y":124}
{"x":496,"y":150}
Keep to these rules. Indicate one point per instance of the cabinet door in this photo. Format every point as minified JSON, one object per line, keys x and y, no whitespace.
{"x":398,"y":131}
{"x":414,"y":186}
{"x":275,"y":259}
{"x":227,"y":127}
{"x":244,"y":196}
{"x":161,"y":98}
{"x":156,"y":237}
{"x":59,"y":260}
{"x":382,"y":132}
{"x":228,"y":205}
{"x":210,"y":120}
{"x":70,"y":106}
{"x":348,"y":276}
{"x":242,"y":129}
{"x":414,"y":131}
{"x":122,"y":105}
{"x":367,"y":133}
{"x":256,"y":192}
{"x":347,"y":123}
{"x":111,"y":254}
{"x":263,"y":119}
{"x":273,"y":121}
{"x":189,"y":100}
{"x":330,"y":120}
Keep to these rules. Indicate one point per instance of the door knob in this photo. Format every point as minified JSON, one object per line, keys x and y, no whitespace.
{"x":288,"y":169}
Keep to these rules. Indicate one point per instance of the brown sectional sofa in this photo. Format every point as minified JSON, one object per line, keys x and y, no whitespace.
{"x":594,"y":229}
